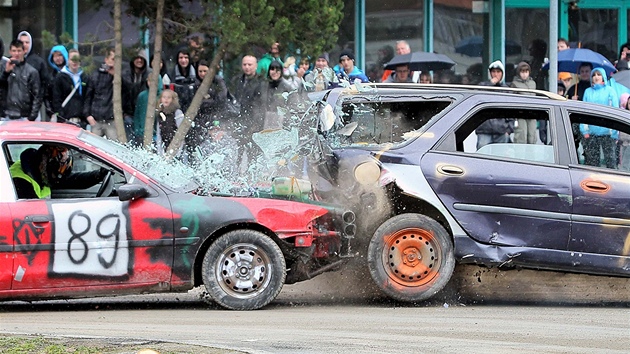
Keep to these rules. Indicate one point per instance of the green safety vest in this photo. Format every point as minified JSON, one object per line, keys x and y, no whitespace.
{"x":17,"y":172}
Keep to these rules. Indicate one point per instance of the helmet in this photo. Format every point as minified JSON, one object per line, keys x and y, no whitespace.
{"x":58,"y":161}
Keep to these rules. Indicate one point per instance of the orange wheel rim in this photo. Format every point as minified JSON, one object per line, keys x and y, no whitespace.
{"x":411,"y":257}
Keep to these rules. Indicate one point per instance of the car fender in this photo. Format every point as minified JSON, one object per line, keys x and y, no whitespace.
{"x":411,"y":181}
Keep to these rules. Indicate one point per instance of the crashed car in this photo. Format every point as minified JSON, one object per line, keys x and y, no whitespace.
{"x":405,"y":158}
{"x":143,"y":228}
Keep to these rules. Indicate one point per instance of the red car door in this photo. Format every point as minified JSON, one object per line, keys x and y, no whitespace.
{"x":6,"y":247}
{"x":78,"y":242}
{"x":64,"y":243}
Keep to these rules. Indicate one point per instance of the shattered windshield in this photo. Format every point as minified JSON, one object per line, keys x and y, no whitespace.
{"x":222,"y":166}
{"x":382,"y":120}
{"x":172,"y":174}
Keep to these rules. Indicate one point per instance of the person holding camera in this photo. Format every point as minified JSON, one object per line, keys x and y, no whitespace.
{"x":23,"y":99}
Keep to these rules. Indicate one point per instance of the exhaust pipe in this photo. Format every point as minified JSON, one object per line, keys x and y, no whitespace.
{"x":349,"y":217}
{"x":350,"y":230}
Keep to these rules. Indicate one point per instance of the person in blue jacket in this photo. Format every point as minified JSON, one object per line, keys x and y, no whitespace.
{"x":596,"y":137}
{"x":57,"y":59}
{"x":346,"y":69}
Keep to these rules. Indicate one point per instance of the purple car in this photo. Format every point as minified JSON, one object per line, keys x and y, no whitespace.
{"x":432,"y":186}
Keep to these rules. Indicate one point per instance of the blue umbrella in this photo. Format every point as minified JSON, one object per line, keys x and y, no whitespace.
{"x":569,"y":60}
{"x":473,"y":47}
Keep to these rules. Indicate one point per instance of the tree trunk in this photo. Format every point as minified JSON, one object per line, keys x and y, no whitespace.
{"x":155,"y":75}
{"x":118,"y":112}
{"x":191,"y":113}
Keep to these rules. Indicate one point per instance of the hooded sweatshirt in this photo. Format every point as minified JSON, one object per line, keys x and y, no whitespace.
{"x":38,"y":63}
{"x":601,"y":94}
{"x":497,"y":64}
{"x":64,"y":52}
{"x":135,"y":82}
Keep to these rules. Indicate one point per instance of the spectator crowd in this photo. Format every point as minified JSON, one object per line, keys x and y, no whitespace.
{"x":57,"y":89}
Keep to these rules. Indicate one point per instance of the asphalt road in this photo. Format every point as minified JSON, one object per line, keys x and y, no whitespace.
{"x":331,"y":314}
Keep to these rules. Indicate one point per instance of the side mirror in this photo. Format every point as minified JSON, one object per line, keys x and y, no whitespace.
{"x":131,"y":192}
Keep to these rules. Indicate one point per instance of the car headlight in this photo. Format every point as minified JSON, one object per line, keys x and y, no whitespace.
{"x":367,"y":173}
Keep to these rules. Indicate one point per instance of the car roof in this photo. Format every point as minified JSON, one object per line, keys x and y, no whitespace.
{"x":412,"y":89}
{"x":9,"y":129}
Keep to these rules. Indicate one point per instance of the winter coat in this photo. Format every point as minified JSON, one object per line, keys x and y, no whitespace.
{"x":529,"y":84}
{"x":248,"y":93}
{"x":167,"y":121}
{"x":601,"y":94}
{"x":99,"y":93}
{"x":489,"y":83}
{"x":496,"y":126}
{"x":582,"y":85}
{"x":64,"y":52}
{"x":38,"y":63}
{"x":184,"y":80}
{"x":48,"y":95}
{"x":62,"y":87}
{"x":135,"y":82}
{"x":213,"y":102}
{"x":24,"y":97}
{"x":211,"y":109}
{"x":273,"y":95}
{"x":355,"y":74}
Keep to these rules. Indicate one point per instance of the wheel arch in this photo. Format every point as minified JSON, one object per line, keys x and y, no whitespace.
{"x":403,"y":203}
{"x":201,"y":251}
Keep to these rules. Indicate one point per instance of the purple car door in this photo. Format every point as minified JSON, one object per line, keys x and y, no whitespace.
{"x":601,"y":188}
{"x":511,"y":194}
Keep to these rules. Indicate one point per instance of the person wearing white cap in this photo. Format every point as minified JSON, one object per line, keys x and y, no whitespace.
{"x":495,"y":130}
{"x":496,"y":72}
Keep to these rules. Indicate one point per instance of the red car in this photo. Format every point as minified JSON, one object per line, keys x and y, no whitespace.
{"x":137,"y":231}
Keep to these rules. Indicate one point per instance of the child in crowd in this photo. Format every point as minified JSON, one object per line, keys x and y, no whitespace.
{"x":525,"y":130}
{"x":169,"y":117}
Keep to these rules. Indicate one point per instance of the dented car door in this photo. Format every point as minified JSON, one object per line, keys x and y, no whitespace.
{"x":504,"y":194}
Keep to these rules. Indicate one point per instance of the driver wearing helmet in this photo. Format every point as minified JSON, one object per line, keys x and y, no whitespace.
{"x":50,"y":166}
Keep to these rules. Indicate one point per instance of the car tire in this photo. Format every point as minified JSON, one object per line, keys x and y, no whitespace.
{"x":243,"y":270}
{"x":410,"y":257}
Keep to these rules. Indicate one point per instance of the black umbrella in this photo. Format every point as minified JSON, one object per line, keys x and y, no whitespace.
{"x":421,"y":61}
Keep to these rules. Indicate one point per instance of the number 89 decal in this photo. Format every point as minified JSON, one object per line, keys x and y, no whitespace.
{"x":90,"y":240}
